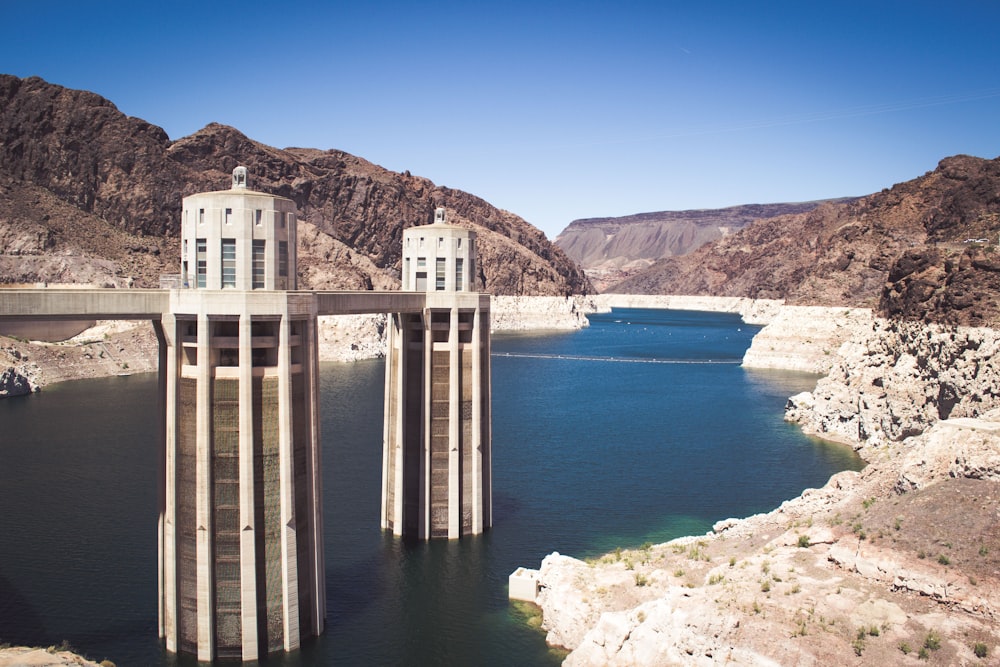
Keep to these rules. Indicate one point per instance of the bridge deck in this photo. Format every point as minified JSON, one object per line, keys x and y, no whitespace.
{"x":150,"y":304}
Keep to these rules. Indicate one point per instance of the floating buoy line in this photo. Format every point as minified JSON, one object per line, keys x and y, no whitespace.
{"x":620,"y":360}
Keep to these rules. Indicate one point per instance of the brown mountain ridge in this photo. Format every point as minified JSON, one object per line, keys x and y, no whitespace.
{"x":914,"y":250}
{"x":88,"y":194}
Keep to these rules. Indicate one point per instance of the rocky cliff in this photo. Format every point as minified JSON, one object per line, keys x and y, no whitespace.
{"x":88,"y":194}
{"x":840,"y":254}
{"x":898,"y":379}
{"x":611,"y":249}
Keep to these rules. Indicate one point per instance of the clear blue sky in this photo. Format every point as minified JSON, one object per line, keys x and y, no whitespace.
{"x":554,"y":110}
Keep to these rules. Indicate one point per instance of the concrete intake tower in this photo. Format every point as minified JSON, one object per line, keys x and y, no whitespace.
{"x":436,"y":463}
{"x":241,"y":536}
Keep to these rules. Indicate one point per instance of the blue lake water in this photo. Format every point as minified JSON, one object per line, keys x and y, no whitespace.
{"x":641,"y":428}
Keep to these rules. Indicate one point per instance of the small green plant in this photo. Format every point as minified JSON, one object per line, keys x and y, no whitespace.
{"x":765,"y":586}
{"x":801,"y":632}
{"x":641,"y":616}
{"x":980,"y":650}
{"x":618,"y":554}
{"x":756,"y":607}
{"x":796,"y":589}
{"x":905,"y":648}
{"x":868,"y":502}
{"x":898,"y":524}
{"x":983,"y":550}
{"x":765,"y":567}
{"x":732,"y":561}
{"x":944,"y":560}
{"x":716,"y":579}
{"x":858,"y":645}
{"x":923,"y":654}
{"x":640,"y":579}
{"x":804,"y":542}
{"x":646,"y":546}
{"x":921,"y":554}
{"x":873,"y":631}
{"x":932,"y":641}
{"x":678,"y":573}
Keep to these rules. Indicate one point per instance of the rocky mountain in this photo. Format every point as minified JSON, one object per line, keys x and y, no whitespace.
{"x":88,"y":194}
{"x":611,"y":249}
{"x":844,"y":253}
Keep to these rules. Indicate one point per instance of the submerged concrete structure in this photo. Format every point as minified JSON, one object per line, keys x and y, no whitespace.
{"x":436,"y":463}
{"x":241,"y":566}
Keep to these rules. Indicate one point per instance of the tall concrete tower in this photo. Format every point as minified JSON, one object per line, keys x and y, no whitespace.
{"x":241,"y":541}
{"x":436,"y":463}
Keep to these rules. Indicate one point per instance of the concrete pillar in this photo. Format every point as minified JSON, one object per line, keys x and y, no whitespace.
{"x":203,"y":494}
{"x":310,"y":363}
{"x":477,"y":420}
{"x":454,"y":429}
{"x":425,"y":417}
{"x":289,"y":553}
{"x":248,"y":528}
{"x":170,"y":350}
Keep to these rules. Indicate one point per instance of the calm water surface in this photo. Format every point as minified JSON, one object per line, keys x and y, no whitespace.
{"x":641,"y":428}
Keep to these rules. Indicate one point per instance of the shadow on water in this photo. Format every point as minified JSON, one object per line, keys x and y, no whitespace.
{"x":14,"y":604}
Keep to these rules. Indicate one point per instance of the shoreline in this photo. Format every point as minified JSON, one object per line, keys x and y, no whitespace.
{"x":864,"y":566}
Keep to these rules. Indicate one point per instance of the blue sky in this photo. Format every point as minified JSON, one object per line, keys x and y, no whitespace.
{"x":554,"y":110}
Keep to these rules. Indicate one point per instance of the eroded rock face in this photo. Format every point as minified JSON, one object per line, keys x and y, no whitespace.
{"x":900,"y":379}
{"x":951,"y":287}
{"x":13,"y":383}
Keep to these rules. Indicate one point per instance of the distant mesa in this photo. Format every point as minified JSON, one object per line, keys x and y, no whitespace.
{"x":612,"y":249}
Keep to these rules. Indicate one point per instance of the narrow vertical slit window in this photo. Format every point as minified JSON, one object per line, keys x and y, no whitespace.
{"x":201,"y":216}
{"x":258,"y":218}
{"x":229,"y":216}
{"x":439,"y":273}
{"x":201,"y":250}
{"x":258,"y":264}
{"x":228,"y":263}
{"x":283,"y":259}
{"x":458,"y":273}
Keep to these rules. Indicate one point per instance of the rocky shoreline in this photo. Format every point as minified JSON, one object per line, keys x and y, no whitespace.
{"x":893,"y":565}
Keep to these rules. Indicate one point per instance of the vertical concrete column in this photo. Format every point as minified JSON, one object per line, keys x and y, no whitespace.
{"x":390,"y":443}
{"x":402,"y":349}
{"x":203,"y":493}
{"x":388,"y":424}
{"x":248,"y":553}
{"x":170,"y":348}
{"x":454,"y":429}
{"x":477,"y":420}
{"x":310,"y":366}
{"x":286,"y":476}
{"x":486,"y":383}
{"x":424,"y":531}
